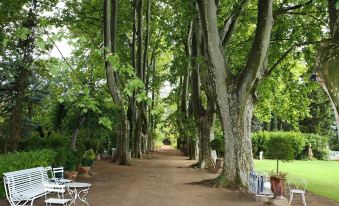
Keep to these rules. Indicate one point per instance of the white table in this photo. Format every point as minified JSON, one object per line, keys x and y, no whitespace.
{"x":78,"y":190}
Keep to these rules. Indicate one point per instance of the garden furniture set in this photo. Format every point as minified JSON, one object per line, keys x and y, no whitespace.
{"x":259,"y":184}
{"x":24,"y":186}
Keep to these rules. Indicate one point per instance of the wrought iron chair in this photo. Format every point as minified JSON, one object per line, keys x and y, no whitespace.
{"x":58,"y":176}
{"x":59,"y":200}
{"x":297,"y":185}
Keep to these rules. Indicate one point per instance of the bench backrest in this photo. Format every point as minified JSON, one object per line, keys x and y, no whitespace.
{"x":23,"y":180}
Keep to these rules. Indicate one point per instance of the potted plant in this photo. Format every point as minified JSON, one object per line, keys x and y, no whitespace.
{"x":279,"y":148}
{"x":71,"y":166}
{"x":87,"y":162}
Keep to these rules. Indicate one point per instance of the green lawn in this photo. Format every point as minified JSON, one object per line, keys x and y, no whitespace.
{"x":322,"y":176}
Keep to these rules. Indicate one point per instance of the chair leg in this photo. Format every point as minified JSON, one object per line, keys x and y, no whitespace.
{"x":304,"y":200}
{"x":291,"y":197}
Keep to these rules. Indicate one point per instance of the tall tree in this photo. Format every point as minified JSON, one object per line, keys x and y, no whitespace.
{"x":140,"y":115}
{"x":204,"y":117}
{"x":235,"y":93}
{"x":26,"y":47}
{"x":327,"y":64}
{"x":110,"y":21}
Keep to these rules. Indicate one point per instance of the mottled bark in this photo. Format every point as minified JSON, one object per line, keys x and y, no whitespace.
{"x":234,"y":93}
{"x":204,"y":117}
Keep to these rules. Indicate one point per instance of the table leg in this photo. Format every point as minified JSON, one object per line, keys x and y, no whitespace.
{"x":83,"y":197}
{"x":73,"y":194}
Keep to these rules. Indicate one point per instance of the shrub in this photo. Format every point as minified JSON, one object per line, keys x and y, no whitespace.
{"x":300,"y":142}
{"x":280,"y":148}
{"x":61,"y":157}
{"x":260,"y":142}
{"x":319,"y":145}
{"x":36,"y":142}
{"x":218,"y":145}
{"x":24,"y":160}
{"x":335,"y":147}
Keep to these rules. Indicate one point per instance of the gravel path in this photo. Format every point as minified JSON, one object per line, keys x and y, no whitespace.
{"x":164,"y":180}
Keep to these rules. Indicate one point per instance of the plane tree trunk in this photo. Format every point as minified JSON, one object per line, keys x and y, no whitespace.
{"x":110,"y":21}
{"x":138,"y":137}
{"x":204,"y":117}
{"x":234,"y":93}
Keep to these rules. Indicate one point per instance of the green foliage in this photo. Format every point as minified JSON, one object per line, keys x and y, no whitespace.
{"x":281,"y":148}
{"x":218,"y":145}
{"x":35,"y":142}
{"x":24,"y":160}
{"x":61,"y":157}
{"x":321,"y":113}
{"x":88,"y":158}
{"x":261,"y":142}
{"x":299,"y":142}
{"x":319,"y":145}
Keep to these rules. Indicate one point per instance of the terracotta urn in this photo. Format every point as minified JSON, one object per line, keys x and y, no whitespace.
{"x":277,"y":185}
{"x":72,"y":175}
{"x":84,"y":170}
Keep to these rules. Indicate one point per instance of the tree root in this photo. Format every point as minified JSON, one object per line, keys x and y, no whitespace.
{"x":222,"y":181}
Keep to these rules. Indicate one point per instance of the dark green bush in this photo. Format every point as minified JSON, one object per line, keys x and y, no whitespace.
{"x":319,"y":145}
{"x":24,"y":160}
{"x":61,"y":157}
{"x":260,"y":142}
{"x":218,"y":145}
{"x":335,"y":147}
{"x":280,"y":148}
{"x":36,"y":142}
{"x":300,"y":143}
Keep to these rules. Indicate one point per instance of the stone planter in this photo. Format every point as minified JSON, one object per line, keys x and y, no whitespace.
{"x":72,"y":175}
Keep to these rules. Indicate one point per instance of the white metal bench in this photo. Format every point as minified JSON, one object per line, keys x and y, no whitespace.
{"x":24,"y":186}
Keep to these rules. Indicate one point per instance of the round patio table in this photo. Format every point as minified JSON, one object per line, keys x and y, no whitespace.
{"x":78,"y":190}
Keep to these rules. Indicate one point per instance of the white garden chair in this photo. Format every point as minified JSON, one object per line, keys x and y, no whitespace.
{"x":58,"y":176}
{"x":59,"y":200}
{"x":297,"y":185}
{"x":49,"y":172}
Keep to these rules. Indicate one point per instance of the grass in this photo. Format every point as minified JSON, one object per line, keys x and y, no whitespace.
{"x":322,"y":176}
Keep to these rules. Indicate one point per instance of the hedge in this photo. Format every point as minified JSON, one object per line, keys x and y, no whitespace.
{"x":300,"y":142}
{"x":319,"y":145}
{"x":24,"y":160}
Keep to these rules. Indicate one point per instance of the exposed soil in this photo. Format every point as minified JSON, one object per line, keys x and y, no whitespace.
{"x":165,"y":179}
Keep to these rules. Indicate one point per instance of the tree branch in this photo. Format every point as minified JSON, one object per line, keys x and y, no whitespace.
{"x":256,"y":57}
{"x":229,"y":26}
{"x":285,"y":54}
{"x":284,"y":10}
{"x":63,"y":57}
